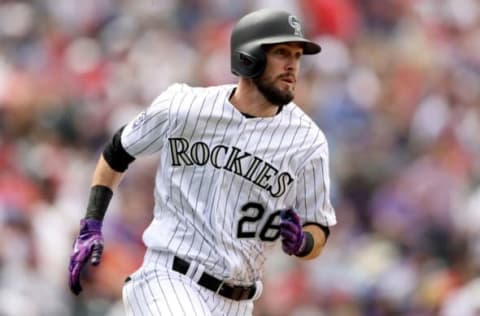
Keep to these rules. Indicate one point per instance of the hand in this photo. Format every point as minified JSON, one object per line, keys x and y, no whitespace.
{"x":291,"y":232}
{"x":89,"y":243}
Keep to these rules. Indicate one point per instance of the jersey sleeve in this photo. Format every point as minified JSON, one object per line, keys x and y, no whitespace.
{"x":313,"y":189}
{"x":145,"y":133}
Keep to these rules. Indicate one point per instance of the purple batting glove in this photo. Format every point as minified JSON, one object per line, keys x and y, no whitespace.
{"x":291,"y":232}
{"x":89,"y":243}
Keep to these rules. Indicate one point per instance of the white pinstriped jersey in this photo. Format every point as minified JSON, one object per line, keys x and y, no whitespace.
{"x":223,"y":177}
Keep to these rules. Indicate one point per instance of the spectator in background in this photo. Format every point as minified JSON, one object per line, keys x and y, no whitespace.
{"x":395,"y":89}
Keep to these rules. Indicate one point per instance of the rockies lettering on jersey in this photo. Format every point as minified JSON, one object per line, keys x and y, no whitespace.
{"x":200,"y":154}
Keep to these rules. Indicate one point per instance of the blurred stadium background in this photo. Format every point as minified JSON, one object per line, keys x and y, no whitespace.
{"x":396,"y":90}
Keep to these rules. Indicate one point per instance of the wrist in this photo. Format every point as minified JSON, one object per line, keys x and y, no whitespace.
{"x":90,"y":225}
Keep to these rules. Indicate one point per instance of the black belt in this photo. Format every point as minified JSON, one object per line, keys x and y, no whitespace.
{"x":233,"y":292}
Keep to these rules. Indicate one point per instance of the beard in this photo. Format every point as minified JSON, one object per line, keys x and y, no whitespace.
{"x":273,"y":94}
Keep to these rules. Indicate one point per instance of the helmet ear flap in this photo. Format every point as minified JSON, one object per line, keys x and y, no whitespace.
{"x":245,"y":60}
{"x":248,"y":62}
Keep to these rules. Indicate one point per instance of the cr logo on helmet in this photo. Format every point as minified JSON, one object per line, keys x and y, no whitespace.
{"x":295,"y":23}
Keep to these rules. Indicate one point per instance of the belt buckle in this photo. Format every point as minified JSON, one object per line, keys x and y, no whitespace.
{"x":220,"y":286}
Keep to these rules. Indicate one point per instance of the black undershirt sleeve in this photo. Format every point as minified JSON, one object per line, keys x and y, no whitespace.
{"x":115,"y":155}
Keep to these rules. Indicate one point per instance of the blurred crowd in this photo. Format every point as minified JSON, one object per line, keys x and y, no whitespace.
{"x":396,"y":89}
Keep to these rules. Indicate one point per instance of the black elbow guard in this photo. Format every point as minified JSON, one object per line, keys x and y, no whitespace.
{"x":115,"y":155}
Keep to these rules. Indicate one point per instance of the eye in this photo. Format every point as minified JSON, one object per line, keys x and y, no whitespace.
{"x":280,"y":51}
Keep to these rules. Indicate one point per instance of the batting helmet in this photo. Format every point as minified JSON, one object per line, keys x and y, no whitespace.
{"x":263,"y":27}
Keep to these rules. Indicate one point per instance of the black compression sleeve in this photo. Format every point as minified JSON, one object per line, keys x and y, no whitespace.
{"x":98,"y":201}
{"x":115,"y":155}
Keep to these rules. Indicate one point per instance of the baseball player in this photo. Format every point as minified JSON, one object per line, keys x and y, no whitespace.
{"x":241,"y":166}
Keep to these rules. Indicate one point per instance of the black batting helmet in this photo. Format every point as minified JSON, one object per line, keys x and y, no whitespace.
{"x":263,"y":27}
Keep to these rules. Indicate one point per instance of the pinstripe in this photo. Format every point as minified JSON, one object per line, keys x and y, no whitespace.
{"x":222,"y":236}
{"x":226,"y":208}
{"x":137,"y":302}
{"x":139,"y":152}
{"x":312,"y":151}
{"x":148,"y":305}
{"x":190,"y":300}
{"x":151,"y":293}
{"x":325,"y":190}
{"x":158,"y":280}
{"x":314,"y":183}
{"x":200,"y":298}
{"x":203,"y":169}
{"x":139,"y":306}
{"x":169,"y":126}
{"x":228,"y":311}
{"x":203,"y":176}
{"x":305,"y":190}
{"x":223,"y":306}
{"x":126,"y":299}
{"x":213,"y":199}
{"x":165,"y":170}
{"x":171,"y":174}
{"x":134,"y":306}
{"x":288,"y":147}
{"x":143,"y":135}
{"x":183,"y":170}
{"x":303,"y":183}
{"x":170,"y":130}
{"x":172,"y":311}
{"x":301,"y":145}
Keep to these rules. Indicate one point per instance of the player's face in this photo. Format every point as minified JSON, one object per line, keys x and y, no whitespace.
{"x":277,"y":83}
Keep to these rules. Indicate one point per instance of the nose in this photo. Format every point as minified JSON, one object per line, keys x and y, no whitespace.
{"x":292,"y":64}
